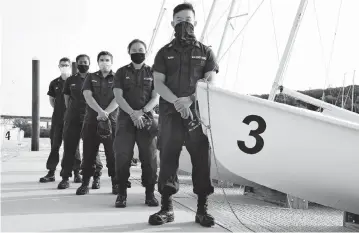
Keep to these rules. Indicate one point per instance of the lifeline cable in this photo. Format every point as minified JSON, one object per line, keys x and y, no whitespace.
{"x":208,"y":127}
{"x":327,"y":67}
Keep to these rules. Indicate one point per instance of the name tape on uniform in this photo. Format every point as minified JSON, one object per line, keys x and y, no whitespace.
{"x":199,"y":57}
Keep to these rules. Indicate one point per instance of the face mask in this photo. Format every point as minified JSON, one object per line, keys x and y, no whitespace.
{"x":65,"y":70}
{"x":138,"y":58}
{"x":184,"y":31}
{"x":83,"y":68}
{"x":105,"y":66}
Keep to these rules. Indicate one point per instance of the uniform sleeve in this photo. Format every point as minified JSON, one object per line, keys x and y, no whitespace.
{"x":66,"y":89}
{"x":51,"y":91}
{"x":87,"y":84}
{"x":159,"y":64}
{"x":118,"y":79}
{"x":211,"y":63}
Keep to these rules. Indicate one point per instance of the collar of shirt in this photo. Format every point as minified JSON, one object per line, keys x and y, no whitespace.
{"x":132,"y":67}
{"x":60,"y":79}
{"x":79,"y":75}
{"x":176,"y":45}
{"x":99,"y":73}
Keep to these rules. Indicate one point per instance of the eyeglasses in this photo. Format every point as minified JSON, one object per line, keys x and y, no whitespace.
{"x":64,"y":65}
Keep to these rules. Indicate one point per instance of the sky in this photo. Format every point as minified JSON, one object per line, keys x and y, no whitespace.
{"x":52,"y":29}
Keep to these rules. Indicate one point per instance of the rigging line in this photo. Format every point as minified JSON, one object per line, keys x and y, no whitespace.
{"x":239,"y":59}
{"x":277,"y":50}
{"x":216,"y":162}
{"x":208,"y":129}
{"x":234,"y":25}
{"x":171,"y":36}
{"x":245,"y":25}
{"x":333,"y":42}
{"x":169,"y":20}
{"x":225,"y":75}
{"x":347,"y":95}
{"x":215,"y":25}
{"x":230,"y":52}
{"x":340,"y":91}
{"x":240,"y":51}
{"x":204,"y":18}
{"x":204,"y":21}
{"x":321,"y":45}
{"x":211,"y":148}
{"x":274,"y":31}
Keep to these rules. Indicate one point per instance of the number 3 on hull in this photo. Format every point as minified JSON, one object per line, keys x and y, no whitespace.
{"x":254,"y":133}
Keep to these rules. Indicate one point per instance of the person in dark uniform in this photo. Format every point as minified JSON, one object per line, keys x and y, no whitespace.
{"x":177,"y":68}
{"x":57,"y":124}
{"x":76,"y":105}
{"x":99,"y":122}
{"x":134,"y":93}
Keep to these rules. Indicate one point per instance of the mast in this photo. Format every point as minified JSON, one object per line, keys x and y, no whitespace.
{"x":208,"y":21}
{"x":155,"y":30}
{"x":352,"y":109}
{"x":224,"y":35}
{"x":343,"y":90}
{"x":288,"y":49}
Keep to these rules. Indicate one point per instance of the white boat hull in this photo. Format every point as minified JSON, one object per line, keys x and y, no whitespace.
{"x":221,"y":173}
{"x":303,"y":153}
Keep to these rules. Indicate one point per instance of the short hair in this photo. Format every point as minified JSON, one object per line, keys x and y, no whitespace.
{"x":134,"y":42}
{"x":82,"y":55}
{"x":183,"y":6}
{"x":65,"y":59}
{"x":102,"y":53}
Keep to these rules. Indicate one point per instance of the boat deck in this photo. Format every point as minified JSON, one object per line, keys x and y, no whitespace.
{"x":27,"y":205}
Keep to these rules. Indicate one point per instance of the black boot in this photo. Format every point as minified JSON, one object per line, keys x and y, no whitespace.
{"x":77,"y":177}
{"x":202,"y":217}
{"x":84,"y":188}
{"x":50,"y":177}
{"x":96,"y":184}
{"x":165,"y":215}
{"x":128,"y":183}
{"x":114,"y":186}
{"x":64,"y":184}
{"x":150,"y":196}
{"x":121,"y":197}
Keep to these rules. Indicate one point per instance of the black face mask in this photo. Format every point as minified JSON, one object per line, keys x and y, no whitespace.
{"x":184,"y":32}
{"x":83,"y":68}
{"x":138,"y":58}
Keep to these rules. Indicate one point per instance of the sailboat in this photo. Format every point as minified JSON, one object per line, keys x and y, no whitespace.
{"x":288,"y":149}
{"x":282,"y":147}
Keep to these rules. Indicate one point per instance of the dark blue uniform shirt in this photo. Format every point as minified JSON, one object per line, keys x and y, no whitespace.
{"x":183,"y":66}
{"x":136,"y":84}
{"x":77,"y":104}
{"x":102,"y":92}
{"x":55,"y":91}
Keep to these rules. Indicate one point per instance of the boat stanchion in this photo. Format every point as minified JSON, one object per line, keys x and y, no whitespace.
{"x":297,"y":203}
{"x":351,"y":221}
{"x":35,"y":134}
